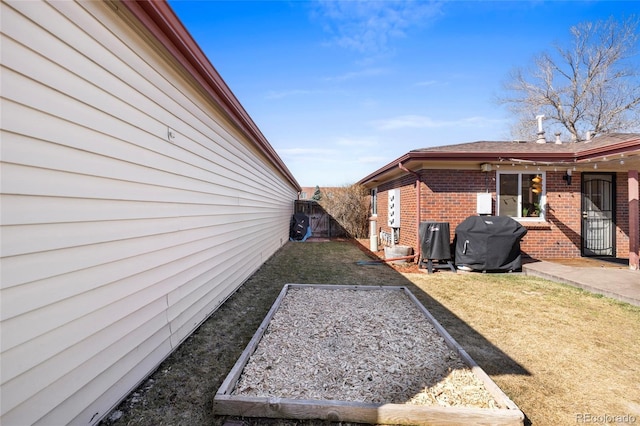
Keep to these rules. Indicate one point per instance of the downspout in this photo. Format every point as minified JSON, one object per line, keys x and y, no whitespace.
{"x":417,"y":253}
{"x":634,"y":226}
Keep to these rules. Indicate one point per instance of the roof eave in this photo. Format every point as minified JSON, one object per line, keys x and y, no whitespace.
{"x":471,"y":157}
{"x":161,"y":21}
{"x":371,"y":178}
{"x":631,"y":145}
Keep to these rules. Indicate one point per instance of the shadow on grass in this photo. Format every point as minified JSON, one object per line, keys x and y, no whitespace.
{"x":181,"y":390}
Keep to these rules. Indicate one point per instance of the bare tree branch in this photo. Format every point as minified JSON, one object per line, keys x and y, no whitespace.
{"x":591,"y":86}
{"x":349,"y":206}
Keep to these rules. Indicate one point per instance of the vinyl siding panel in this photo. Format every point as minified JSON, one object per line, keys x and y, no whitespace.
{"x":116,"y":241}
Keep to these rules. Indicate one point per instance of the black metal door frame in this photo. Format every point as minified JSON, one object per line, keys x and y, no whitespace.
{"x":598,"y":216}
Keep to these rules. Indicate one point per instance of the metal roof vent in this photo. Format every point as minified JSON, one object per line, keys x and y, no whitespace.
{"x":541,"y":138}
{"x":558,"y":140}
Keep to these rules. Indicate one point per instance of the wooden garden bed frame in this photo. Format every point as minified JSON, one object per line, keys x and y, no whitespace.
{"x":225,"y":403}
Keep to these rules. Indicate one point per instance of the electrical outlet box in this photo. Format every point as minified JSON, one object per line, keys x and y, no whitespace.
{"x":483,"y":203}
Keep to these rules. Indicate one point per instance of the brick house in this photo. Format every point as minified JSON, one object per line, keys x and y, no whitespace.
{"x":575,"y":199}
{"x":307,"y":192}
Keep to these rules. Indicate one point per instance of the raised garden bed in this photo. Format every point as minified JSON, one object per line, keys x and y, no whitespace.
{"x":359,"y":354}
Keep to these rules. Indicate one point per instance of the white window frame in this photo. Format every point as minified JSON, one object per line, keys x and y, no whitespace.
{"x":543,"y":195}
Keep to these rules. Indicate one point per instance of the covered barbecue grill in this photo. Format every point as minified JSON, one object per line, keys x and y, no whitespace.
{"x":435,"y":246}
{"x":489,"y":243}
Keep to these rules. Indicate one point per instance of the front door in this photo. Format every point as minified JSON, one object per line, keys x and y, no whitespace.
{"x":598,"y":212}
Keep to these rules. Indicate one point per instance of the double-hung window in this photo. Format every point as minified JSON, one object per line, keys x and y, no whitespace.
{"x":521,"y":195}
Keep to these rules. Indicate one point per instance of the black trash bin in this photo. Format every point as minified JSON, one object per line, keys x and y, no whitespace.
{"x":489,"y":243}
{"x":299,"y":227}
{"x":435,"y":245}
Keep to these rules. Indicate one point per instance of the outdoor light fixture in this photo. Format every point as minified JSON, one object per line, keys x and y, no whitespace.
{"x":536,"y":184}
{"x":567,"y":177}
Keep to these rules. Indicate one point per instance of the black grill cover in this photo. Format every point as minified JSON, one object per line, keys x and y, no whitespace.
{"x":434,"y":240}
{"x":298,"y":227}
{"x":489,"y":243}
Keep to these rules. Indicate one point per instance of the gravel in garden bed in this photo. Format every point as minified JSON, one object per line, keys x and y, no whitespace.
{"x":372,"y":346}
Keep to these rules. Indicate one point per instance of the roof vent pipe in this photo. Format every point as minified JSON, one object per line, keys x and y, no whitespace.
{"x":558,"y":140}
{"x":541,"y":138}
{"x":589,"y":135}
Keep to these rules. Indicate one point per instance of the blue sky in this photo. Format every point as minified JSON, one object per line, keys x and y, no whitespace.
{"x":341,"y":88}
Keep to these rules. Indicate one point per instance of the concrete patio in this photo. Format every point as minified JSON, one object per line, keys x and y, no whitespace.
{"x":609,"y":279}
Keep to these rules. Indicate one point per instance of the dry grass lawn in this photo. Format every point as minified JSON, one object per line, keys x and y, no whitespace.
{"x":579,"y":353}
{"x":556,"y":351}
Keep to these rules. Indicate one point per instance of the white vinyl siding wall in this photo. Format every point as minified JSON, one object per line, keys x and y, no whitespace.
{"x":116,"y":242}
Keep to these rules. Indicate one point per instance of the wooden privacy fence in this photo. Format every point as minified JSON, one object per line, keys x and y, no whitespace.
{"x":323,"y":225}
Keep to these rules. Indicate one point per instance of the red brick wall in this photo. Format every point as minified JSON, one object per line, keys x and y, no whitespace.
{"x":622,"y":209}
{"x":450,"y":196}
{"x":559,"y":236}
{"x":446,"y":196}
{"x":406,"y":184}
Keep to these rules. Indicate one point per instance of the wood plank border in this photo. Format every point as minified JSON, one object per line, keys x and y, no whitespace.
{"x":224,"y":403}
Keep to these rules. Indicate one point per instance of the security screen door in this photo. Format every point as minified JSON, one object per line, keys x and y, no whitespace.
{"x":598,"y":214}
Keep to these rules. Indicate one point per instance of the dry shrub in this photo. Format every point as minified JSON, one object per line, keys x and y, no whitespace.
{"x":349,"y":206}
